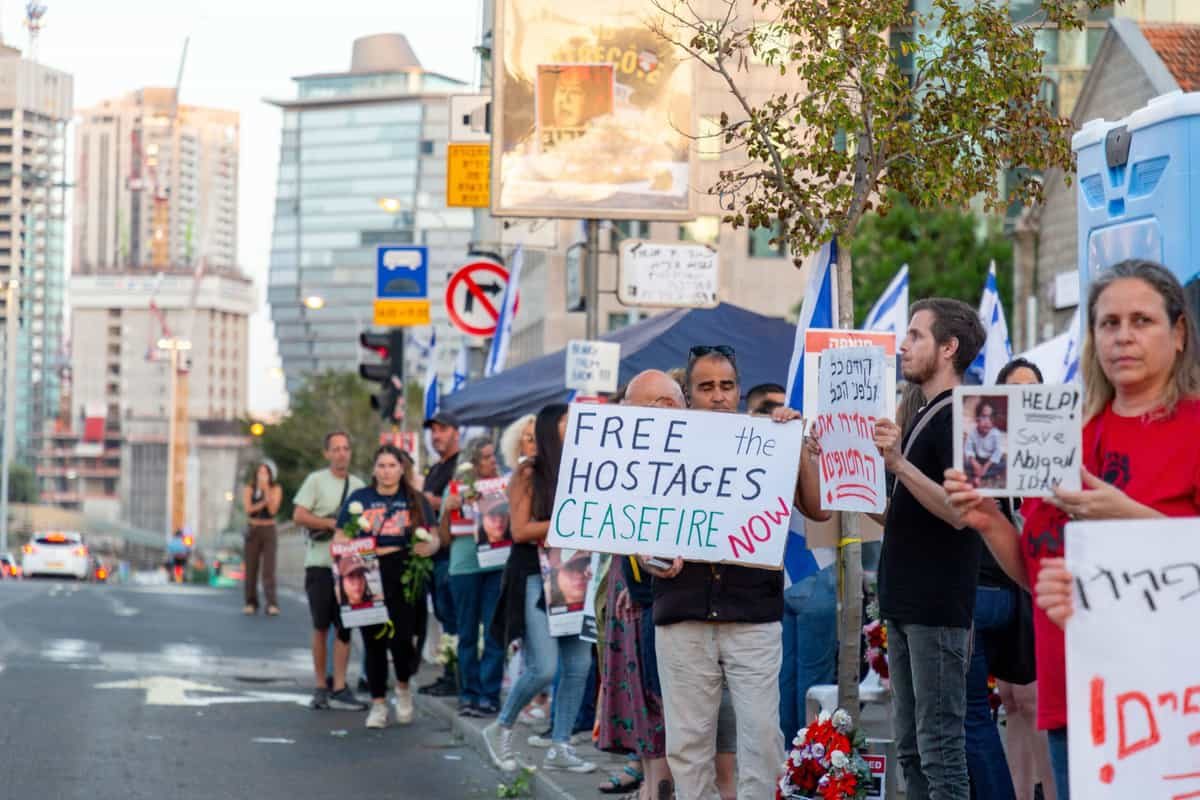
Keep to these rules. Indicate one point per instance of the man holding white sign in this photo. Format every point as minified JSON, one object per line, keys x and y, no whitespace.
{"x":714,"y":622}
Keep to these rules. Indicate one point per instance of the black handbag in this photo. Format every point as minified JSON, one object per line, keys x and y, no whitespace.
{"x":323,"y":535}
{"x":1014,"y":659}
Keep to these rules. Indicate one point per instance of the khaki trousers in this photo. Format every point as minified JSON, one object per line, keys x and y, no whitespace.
{"x":694,"y":658}
{"x":261,"y":543}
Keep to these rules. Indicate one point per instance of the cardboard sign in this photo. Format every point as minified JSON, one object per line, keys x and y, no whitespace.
{"x":358,"y":583}
{"x":493,"y":538}
{"x":566,"y":575}
{"x":1019,"y":441}
{"x":851,"y":384}
{"x":593,"y":367}
{"x":1133,"y":688}
{"x":818,"y":340}
{"x":703,"y":485}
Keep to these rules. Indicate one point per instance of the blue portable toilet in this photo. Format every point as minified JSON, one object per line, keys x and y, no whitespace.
{"x":1139,"y":190}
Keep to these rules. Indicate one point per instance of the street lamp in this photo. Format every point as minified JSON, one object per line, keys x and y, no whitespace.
{"x":10,"y":402}
{"x":174,"y":346}
{"x":314,"y":302}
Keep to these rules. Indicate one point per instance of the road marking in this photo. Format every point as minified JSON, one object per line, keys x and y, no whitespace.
{"x":120,"y":609}
{"x":68,"y":650}
{"x":163,"y":690}
{"x":269,"y":740}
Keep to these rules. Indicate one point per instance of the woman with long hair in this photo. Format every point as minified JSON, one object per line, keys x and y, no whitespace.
{"x":531,"y":502}
{"x":261,"y":499}
{"x":1141,"y":371}
{"x":394,"y":511}
{"x":517,"y":443}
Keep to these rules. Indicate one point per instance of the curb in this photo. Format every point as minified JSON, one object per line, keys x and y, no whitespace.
{"x":544,"y":786}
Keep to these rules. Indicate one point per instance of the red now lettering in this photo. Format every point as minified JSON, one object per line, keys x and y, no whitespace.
{"x":767,"y":520}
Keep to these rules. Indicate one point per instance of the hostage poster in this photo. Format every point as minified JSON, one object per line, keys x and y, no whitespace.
{"x":566,"y":575}
{"x":593,"y":113}
{"x":357,"y":582}
{"x":493,"y":538}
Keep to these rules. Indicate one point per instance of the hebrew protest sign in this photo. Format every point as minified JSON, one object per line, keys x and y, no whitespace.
{"x":850,"y":383}
{"x":703,"y":485}
{"x":357,"y":582}
{"x":819,"y":340}
{"x":1133,"y":689}
{"x":1019,"y":441}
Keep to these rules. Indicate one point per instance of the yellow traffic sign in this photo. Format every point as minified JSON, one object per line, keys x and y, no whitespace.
{"x":467,"y":183}
{"x":401,"y":313}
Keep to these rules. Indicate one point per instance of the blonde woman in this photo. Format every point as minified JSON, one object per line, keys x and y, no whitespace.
{"x":517,"y":443}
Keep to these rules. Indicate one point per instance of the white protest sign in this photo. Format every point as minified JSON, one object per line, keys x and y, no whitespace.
{"x":1133,"y":688}
{"x":818,"y":340}
{"x":592,"y":367}
{"x":1019,"y":440}
{"x":672,"y":274}
{"x":850,"y":385}
{"x":703,"y":485}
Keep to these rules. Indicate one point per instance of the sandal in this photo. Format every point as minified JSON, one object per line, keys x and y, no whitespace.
{"x":617,"y":786}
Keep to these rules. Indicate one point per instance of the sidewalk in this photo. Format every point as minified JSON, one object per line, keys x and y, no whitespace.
{"x":546,"y":785}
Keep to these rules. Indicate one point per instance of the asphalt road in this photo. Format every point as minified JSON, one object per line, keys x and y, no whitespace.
{"x":159,"y":692}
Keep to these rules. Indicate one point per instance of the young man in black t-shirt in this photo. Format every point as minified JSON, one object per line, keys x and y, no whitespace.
{"x":930,"y":564}
{"x":443,"y":428}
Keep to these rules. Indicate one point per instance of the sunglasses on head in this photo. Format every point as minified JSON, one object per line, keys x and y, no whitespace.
{"x":702,"y":350}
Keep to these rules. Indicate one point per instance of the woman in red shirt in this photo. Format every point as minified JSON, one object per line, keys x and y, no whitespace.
{"x":1141,"y":368}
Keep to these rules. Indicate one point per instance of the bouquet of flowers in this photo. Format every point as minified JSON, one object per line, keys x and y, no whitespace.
{"x":465,"y":475}
{"x":826,"y":762}
{"x":876,"y":652}
{"x":418,"y":569}
{"x":357,"y":525}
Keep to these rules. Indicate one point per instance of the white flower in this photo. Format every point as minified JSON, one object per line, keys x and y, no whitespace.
{"x":839,"y":759}
{"x":818,"y":750}
{"x":364,"y":524}
{"x":842,"y":720}
{"x":355,"y":508}
{"x":422,"y":535}
{"x":823,"y":718}
{"x":801,"y":735}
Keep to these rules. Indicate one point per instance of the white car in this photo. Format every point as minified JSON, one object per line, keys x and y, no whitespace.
{"x":61,"y":553}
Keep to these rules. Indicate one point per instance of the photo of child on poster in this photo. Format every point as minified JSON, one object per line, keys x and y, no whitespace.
{"x":565,"y":578}
{"x":357,"y":583}
{"x":985,"y":453}
{"x":569,"y":96}
{"x":492,"y":535}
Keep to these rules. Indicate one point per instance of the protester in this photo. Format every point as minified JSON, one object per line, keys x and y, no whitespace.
{"x":261,"y":499}
{"x":718,"y":624}
{"x":443,"y":431}
{"x":517,"y":443}
{"x":317,"y":504}
{"x":929,"y":569}
{"x":523,"y":610}
{"x":1027,"y":747}
{"x":1141,"y":369}
{"x":630,"y":705}
{"x":765,"y":393}
{"x":395,"y":511}
{"x":476,"y":592}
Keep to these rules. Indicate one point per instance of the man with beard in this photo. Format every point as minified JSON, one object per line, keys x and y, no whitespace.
{"x":930,"y":566}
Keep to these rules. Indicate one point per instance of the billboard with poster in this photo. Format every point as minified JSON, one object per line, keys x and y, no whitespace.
{"x":592,"y":114}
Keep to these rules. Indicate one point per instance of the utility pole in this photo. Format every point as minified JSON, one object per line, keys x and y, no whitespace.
{"x":10,"y":402}
{"x":591,"y":279}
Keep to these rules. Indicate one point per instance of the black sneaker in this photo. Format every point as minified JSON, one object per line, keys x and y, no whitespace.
{"x":320,"y":699}
{"x":486,"y":708}
{"x":442,"y":687}
{"x":344,"y":700}
{"x":466,"y":709}
{"x":329,"y":682}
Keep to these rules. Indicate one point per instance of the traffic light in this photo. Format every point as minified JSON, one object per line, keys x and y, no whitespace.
{"x":389,"y":373}
{"x":257,"y":429}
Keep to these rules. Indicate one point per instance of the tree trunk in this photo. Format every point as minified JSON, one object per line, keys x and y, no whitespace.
{"x":849,"y":548}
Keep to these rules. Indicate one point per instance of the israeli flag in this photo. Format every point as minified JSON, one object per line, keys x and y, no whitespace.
{"x":997,"y":349}
{"x":432,"y":398}
{"x":1070,"y":366}
{"x":508,"y":309}
{"x":890,"y":312}
{"x":798,"y":560}
{"x":819,"y":310}
{"x":462,"y":369}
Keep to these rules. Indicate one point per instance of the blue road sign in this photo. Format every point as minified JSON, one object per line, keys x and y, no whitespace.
{"x":401,"y":272}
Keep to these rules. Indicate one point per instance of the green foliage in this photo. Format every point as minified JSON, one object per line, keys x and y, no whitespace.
{"x":933,"y":106}
{"x":945,"y":254}
{"x":22,"y":485}
{"x":326,"y":402}
{"x":519,"y":786}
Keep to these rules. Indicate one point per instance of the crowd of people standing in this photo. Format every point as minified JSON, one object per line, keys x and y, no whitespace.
{"x":700,"y":671}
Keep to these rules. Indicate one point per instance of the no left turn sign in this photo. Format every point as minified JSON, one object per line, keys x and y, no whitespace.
{"x":474,"y":296}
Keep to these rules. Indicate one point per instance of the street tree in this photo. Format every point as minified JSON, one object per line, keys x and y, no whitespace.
{"x":937,"y":117}
{"x":22,"y":485}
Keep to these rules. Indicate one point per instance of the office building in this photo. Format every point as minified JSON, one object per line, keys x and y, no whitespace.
{"x":156,"y":183}
{"x":362,"y":163}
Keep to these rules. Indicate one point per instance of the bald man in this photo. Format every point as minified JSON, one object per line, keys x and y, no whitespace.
{"x":654,"y":388}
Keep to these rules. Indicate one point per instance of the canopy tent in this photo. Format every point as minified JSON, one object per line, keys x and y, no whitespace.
{"x":763,"y":346}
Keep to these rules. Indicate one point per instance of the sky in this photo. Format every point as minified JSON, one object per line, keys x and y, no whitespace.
{"x":240,"y":51}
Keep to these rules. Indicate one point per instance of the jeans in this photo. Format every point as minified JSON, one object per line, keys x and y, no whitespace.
{"x":986,"y":763}
{"x":585,"y":720}
{"x":570,"y":656}
{"x":810,"y":631}
{"x":1058,"y":762}
{"x":475,"y":598}
{"x":928,"y":668}
{"x":443,"y":597}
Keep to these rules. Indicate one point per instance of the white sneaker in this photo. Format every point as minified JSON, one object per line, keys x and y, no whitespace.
{"x":404,"y":706}
{"x":564,"y":757}
{"x":540,"y":741}
{"x":500,"y":747}
{"x":377,"y":716}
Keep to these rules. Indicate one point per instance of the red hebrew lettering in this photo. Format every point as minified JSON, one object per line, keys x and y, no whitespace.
{"x":1125,"y":748}
{"x":1169,"y":697}
{"x":1191,"y":700}
{"x":1097,"y":707}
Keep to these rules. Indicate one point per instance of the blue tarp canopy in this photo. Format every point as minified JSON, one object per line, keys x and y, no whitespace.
{"x":763,"y":346}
